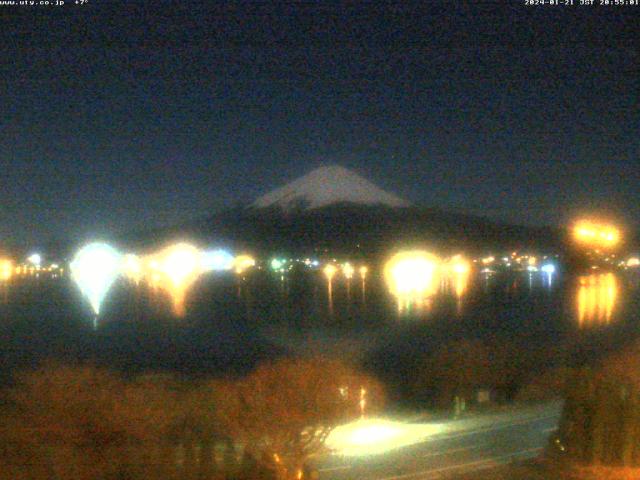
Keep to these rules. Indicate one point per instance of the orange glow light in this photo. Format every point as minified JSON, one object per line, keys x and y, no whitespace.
{"x":594,"y":234}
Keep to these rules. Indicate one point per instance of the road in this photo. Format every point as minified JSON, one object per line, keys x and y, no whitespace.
{"x":458,"y":446}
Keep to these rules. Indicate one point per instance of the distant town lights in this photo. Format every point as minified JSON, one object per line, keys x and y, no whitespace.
{"x":277,"y":264}
{"x":329,"y":271}
{"x":347,"y":270}
{"x":35,"y":259}
{"x":242,"y":263}
{"x":548,"y":268}
{"x":633,"y":262}
{"x":216,"y":260}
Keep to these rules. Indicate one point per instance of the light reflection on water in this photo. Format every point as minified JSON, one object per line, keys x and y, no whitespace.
{"x":224,"y":326}
{"x":592,"y":300}
{"x":597,"y":296}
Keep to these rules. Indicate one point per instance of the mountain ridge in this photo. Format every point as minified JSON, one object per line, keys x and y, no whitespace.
{"x":327,"y":185}
{"x":334,"y":209}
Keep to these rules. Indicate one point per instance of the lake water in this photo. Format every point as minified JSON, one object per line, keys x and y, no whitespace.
{"x":232,"y":323}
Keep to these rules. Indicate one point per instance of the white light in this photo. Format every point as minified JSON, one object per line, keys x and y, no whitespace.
{"x":377,"y":436}
{"x":94,"y":269}
{"x":35,"y":259}
{"x":548,"y":268}
{"x":217,"y":260}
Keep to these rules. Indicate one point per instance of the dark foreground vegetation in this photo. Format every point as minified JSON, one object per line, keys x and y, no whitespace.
{"x":81,"y":422}
{"x":64,"y":421}
{"x":601,"y":420}
{"x":546,"y":469}
{"x":599,"y":433}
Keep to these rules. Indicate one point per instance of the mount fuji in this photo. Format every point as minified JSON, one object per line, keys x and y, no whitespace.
{"x":327,"y":186}
{"x":334,"y":209}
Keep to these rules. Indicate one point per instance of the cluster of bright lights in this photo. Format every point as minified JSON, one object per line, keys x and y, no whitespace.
{"x":173,"y":269}
{"x":529,"y":262}
{"x":348,"y":270}
{"x":278,"y":265}
{"x":28,"y":269}
{"x":414,"y":277}
{"x":633,"y":262}
{"x":517,"y":261}
{"x":488,"y":260}
{"x":31,"y":266}
{"x":596,"y":235}
{"x":311,"y":263}
{"x":282,"y":265}
{"x":412,"y":274}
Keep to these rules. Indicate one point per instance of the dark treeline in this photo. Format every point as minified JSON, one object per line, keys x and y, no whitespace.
{"x":353,"y":229}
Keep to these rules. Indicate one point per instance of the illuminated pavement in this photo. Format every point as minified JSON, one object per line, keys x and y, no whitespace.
{"x":461,"y":446}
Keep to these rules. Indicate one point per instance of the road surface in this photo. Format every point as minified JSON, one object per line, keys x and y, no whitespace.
{"x":461,"y":446}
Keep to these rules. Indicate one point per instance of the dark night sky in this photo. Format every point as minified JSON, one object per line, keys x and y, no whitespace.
{"x":115,"y":117}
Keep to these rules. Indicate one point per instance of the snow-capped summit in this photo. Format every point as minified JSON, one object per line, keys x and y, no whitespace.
{"x":325,"y":186}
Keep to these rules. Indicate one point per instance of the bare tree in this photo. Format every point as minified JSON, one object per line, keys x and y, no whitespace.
{"x":283,"y":412}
